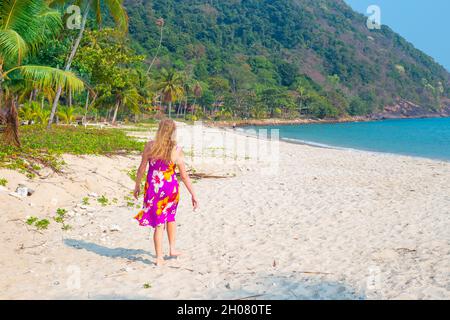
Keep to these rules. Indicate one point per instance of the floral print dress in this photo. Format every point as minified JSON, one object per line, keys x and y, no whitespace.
{"x":161,"y":195}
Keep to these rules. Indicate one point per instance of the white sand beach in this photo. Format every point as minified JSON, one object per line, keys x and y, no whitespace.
{"x":328,"y":224}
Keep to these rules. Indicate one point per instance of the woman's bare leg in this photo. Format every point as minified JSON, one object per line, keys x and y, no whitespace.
{"x":171,"y":233}
{"x":157,"y":239}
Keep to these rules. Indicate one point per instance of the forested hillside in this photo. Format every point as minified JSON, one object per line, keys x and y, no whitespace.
{"x":271,"y":58}
{"x":216,"y":60}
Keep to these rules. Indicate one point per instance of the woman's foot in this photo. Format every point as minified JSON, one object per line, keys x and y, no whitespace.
{"x":174,"y":253}
{"x":159,"y":261}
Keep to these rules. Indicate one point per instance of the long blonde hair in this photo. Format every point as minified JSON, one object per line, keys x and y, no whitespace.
{"x":164,"y":142}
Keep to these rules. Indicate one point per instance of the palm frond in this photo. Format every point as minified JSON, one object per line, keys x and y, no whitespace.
{"x":118,"y":13}
{"x":56,"y":3}
{"x":12,"y":46}
{"x":20,"y":15}
{"x":98,"y":11}
{"x":131,"y":99}
{"x":50,"y":23}
{"x":42,"y":116}
{"x":27,"y":112}
{"x":67,"y":114}
{"x":14,"y":12}
{"x":44,"y":76}
{"x":32,"y":20}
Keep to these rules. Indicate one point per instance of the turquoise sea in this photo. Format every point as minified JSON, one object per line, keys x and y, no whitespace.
{"x":429,"y":138}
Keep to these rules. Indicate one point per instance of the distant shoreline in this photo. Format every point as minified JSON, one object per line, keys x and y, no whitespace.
{"x":281,"y":122}
{"x":244,"y":132}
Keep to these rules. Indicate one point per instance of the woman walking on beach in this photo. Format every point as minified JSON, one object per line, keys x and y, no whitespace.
{"x":161,"y":194}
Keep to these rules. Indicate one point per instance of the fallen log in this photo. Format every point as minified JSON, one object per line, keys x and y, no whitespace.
{"x":205,"y":176}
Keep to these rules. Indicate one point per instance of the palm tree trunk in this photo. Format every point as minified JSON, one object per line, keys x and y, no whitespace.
{"x":70,"y":97}
{"x":1,"y":84}
{"x":86,"y":108}
{"x":69,"y":61}
{"x":170,"y":109}
{"x":213,"y":109}
{"x":193,"y":106}
{"x":11,"y":134}
{"x":157,"y":50}
{"x":178,"y":109}
{"x":108,"y":114}
{"x":115,"y":112}
{"x":35,"y":94}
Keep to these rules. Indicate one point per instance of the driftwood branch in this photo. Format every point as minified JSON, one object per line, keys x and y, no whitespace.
{"x":313,"y":272}
{"x":22,"y":247}
{"x":199,"y":175}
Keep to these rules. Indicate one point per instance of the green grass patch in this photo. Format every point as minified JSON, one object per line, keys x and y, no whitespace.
{"x":3,"y":182}
{"x":85,"y":201}
{"x":140,"y":129}
{"x":150,"y":122}
{"x":147,"y":286}
{"x":132,"y":173}
{"x":39,"y":224}
{"x":42,"y":224}
{"x":60,"y":215}
{"x":103,"y":201}
{"x":129,"y":201}
{"x":66,"y":227}
{"x":31,"y":220}
{"x":43,"y":148}
{"x":61,"y":218}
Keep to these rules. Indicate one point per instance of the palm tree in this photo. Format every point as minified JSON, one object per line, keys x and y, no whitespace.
{"x":171,"y":86}
{"x":302,"y":97}
{"x":67,"y":114}
{"x":120,"y":17}
{"x":145,"y":89}
{"x":128,"y":98}
{"x":24,"y":25}
{"x":160,"y":24}
{"x":42,"y":116}
{"x":188,"y":83}
{"x":28,"y":111}
{"x":197,"y":90}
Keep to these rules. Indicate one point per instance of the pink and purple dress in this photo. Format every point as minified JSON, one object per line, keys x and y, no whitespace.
{"x":161,"y":195}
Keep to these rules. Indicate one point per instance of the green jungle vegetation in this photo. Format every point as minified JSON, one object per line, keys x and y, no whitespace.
{"x":140,"y":60}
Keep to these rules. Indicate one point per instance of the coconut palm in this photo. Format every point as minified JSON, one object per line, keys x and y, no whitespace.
{"x":188,"y":84}
{"x":67,"y":114}
{"x":116,"y":10}
{"x":28,"y":111}
{"x":197,"y":90}
{"x":129,"y":99}
{"x":42,"y":116}
{"x":171,"y":86}
{"x":303,"y":97}
{"x":160,"y":24}
{"x":24,"y":25}
{"x":145,"y":89}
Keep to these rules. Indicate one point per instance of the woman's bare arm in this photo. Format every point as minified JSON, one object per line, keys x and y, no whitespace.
{"x":141,"y":169}
{"x":185,"y":178}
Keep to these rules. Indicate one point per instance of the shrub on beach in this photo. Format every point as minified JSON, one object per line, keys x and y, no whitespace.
{"x":190,"y":117}
{"x":43,"y":148}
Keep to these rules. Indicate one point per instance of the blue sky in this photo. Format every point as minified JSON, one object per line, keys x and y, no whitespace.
{"x":424,"y":23}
